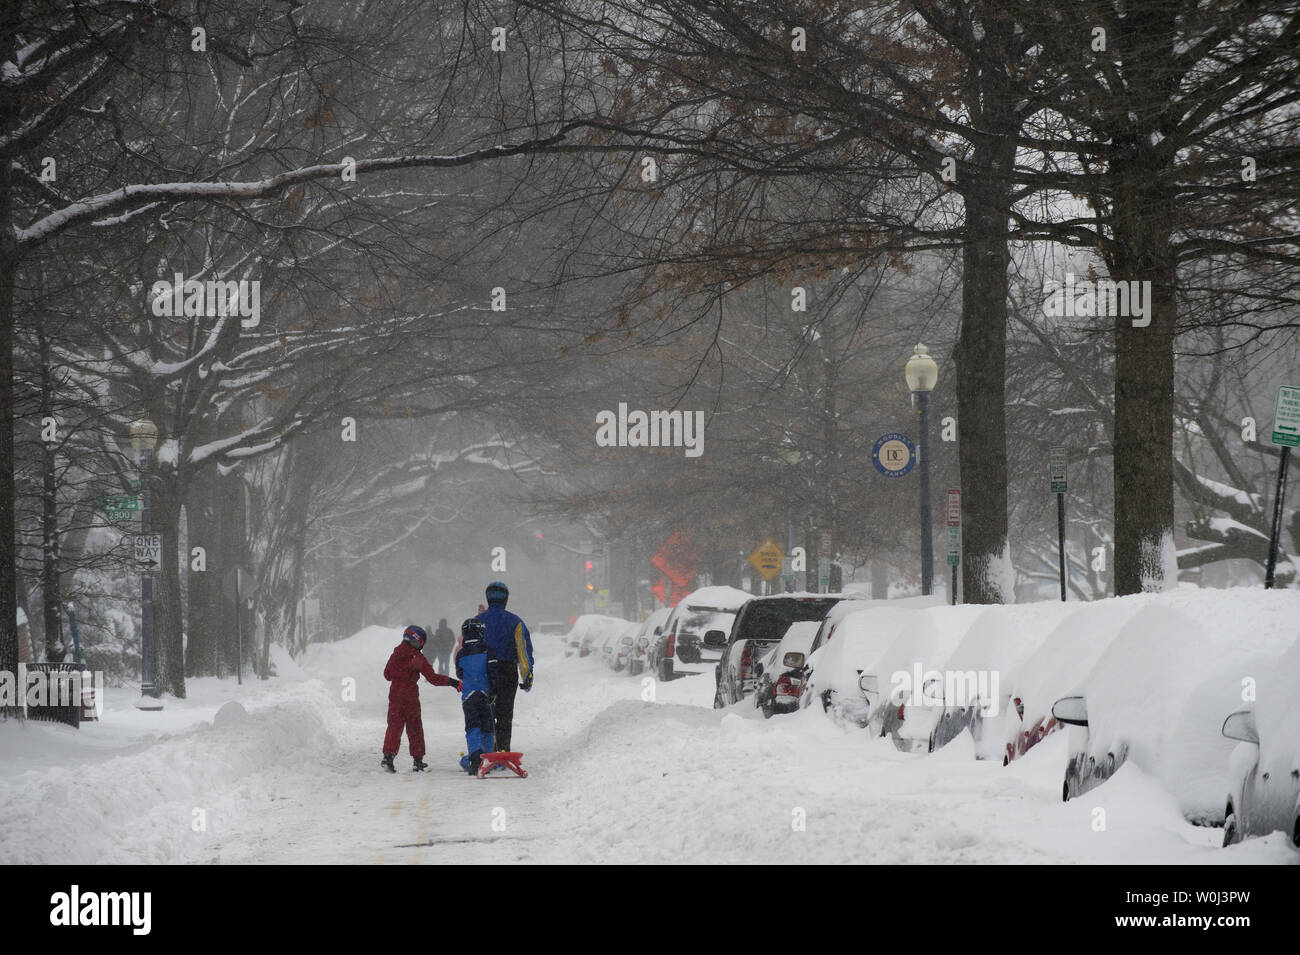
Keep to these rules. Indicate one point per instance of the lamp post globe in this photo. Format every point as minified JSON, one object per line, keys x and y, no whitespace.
{"x":922,"y":375}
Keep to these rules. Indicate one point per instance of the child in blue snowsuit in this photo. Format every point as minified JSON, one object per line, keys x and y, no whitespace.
{"x":472,"y":670}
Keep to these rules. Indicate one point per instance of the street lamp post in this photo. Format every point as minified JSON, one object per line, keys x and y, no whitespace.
{"x":792,"y":458}
{"x":922,"y":375}
{"x":144,"y":438}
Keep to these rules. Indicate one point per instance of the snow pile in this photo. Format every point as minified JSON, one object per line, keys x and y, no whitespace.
{"x":158,"y":801}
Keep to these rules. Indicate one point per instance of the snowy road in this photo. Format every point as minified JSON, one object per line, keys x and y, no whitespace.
{"x":614,"y":778}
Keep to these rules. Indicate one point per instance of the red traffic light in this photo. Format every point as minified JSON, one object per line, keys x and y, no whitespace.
{"x":590,"y":565}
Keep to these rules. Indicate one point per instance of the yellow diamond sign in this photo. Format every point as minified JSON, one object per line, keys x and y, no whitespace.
{"x":767,"y":560}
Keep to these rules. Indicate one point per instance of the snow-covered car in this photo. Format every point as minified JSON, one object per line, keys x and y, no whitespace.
{"x":761,"y":623}
{"x":1157,"y":695}
{"x":842,"y":673}
{"x":616,"y":648}
{"x":706,"y":609}
{"x":1052,"y":671}
{"x":590,"y":630}
{"x":682,"y":634}
{"x":1264,"y":768}
{"x":646,"y":632}
{"x":781,"y":672}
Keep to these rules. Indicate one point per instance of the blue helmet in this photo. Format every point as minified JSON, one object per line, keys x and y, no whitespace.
{"x":415,"y":636}
{"x":472,"y":633}
{"x":497,"y":592}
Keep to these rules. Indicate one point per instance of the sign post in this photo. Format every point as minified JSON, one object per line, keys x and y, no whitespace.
{"x":954,"y":536}
{"x":1286,"y":435}
{"x":1057,"y":464}
{"x":238,"y":586}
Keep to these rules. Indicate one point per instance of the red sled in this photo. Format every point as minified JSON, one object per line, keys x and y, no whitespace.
{"x":509,"y":760}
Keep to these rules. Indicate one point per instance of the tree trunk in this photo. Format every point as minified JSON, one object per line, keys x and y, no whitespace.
{"x":51,"y":591}
{"x":1144,"y":383}
{"x":231,"y":551}
{"x":981,"y":380}
{"x":206,"y":610}
{"x":8,"y":266}
{"x":169,"y":620}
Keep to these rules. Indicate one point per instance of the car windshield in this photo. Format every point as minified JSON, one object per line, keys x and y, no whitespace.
{"x":700,"y":620}
{"x":770,"y":619}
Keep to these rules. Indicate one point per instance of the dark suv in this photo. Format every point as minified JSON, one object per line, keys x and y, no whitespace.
{"x":759,"y":626}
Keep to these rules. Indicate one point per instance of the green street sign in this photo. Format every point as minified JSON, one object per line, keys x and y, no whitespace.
{"x":1286,"y":417}
{"x":954,"y":559}
{"x":119,"y":508}
{"x":1056,"y":464}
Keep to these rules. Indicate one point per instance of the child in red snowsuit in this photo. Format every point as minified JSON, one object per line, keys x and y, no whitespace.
{"x":403,"y":670}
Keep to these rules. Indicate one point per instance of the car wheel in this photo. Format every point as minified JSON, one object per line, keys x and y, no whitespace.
{"x":717,"y":699}
{"x":666,"y":670}
{"x":1065,"y":791}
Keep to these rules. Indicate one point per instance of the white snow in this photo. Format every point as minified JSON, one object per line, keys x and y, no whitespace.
{"x":634,"y":770}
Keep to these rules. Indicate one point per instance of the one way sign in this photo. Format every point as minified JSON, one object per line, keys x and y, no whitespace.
{"x":148,"y":550}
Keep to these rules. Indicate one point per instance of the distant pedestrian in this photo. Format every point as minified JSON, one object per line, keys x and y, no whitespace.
{"x":441,"y":644}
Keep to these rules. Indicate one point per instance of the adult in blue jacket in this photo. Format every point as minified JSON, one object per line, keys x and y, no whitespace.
{"x":510,"y":659}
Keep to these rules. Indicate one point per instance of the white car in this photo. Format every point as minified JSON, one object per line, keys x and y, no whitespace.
{"x":781,"y":672}
{"x":1157,"y":696}
{"x":1264,"y":769}
{"x":842,"y":674}
{"x":645,"y":634}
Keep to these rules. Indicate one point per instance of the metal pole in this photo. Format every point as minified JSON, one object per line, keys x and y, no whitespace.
{"x":927,"y":544}
{"x":1060,"y":536}
{"x":954,"y":585}
{"x":1278,"y":500}
{"x":239,"y":630}
{"x":148,"y":675}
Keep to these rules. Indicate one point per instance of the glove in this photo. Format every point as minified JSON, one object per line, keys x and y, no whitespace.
{"x":527,"y":684}
{"x":455,"y":685}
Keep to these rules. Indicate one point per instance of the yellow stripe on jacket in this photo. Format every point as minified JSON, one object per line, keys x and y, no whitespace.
{"x":524,"y":669}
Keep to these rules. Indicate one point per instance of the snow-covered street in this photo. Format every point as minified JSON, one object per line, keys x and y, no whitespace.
{"x":289,"y":774}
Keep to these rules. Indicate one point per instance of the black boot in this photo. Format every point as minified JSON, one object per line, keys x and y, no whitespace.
{"x":387,"y":763}
{"x":419,"y":765}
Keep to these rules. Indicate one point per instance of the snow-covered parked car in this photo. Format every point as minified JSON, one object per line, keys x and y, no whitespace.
{"x":1051,"y":672}
{"x":646,"y":632}
{"x":781,"y":672}
{"x":590,"y":630}
{"x":1158,"y":694}
{"x":682,"y":636}
{"x":842,"y":677}
{"x":1264,"y":768}
{"x":706,"y":609}
{"x":761,"y":623}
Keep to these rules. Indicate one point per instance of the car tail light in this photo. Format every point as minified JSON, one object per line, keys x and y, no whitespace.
{"x":785,"y":686}
{"x":901,"y":706}
{"x":671,"y":645}
{"x":747,"y":662}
